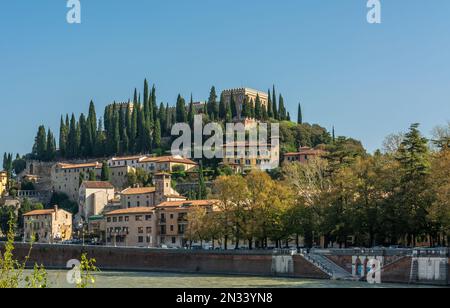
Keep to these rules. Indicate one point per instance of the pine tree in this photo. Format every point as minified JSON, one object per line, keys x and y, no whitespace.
{"x":300,"y":114}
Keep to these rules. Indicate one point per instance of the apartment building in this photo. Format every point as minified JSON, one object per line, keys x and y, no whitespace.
{"x":65,"y":177}
{"x":48,"y":226}
{"x":150,"y":196}
{"x":172,"y":221}
{"x":133,"y":227}
{"x":166,"y":164}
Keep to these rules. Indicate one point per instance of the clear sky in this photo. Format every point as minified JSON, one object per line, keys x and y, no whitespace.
{"x":366,"y":80}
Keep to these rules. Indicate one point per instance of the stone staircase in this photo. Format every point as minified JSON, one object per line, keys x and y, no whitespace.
{"x":333,"y":270}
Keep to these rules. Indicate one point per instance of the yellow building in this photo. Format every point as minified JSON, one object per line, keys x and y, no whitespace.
{"x":240,"y":157}
{"x":48,"y":226}
{"x":3,"y":182}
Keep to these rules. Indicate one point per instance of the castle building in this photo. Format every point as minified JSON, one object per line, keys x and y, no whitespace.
{"x":240,"y":95}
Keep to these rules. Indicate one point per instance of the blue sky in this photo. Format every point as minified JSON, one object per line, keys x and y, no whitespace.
{"x":366,"y":80}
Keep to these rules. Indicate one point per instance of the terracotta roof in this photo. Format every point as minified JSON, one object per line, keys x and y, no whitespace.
{"x":138,"y":191}
{"x":169,"y":159}
{"x":78,"y":166}
{"x":40,"y":212}
{"x":173,"y":204}
{"x":175,"y":197}
{"x":129,"y":157}
{"x":133,"y":210}
{"x":98,"y":185}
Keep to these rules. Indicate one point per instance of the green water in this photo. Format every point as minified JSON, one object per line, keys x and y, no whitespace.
{"x":57,"y":279}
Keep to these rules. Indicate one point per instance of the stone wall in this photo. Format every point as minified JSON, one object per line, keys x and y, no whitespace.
{"x":132,"y":259}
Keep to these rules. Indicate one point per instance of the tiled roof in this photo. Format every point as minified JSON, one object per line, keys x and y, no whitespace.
{"x":40,"y":212}
{"x":97,"y":185}
{"x":172,"y":204}
{"x":138,"y":191}
{"x":78,"y":166}
{"x":168,"y":159}
{"x":133,"y":210}
{"x":129,"y":157}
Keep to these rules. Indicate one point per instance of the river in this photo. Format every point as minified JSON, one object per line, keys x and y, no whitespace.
{"x":57,"y":279}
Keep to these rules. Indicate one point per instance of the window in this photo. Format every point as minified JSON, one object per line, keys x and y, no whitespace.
{"x":108,"y":219}
{"x":140,"y":239}
{"x":129,"y":204}
{"x":171,"y":228}
{"x":148,"y":217}
{"x":140,"y":230}
{"x":127,"y":218}
{"x":171,"y":216}
{"x":114,"y":219}
{"x":138,"y":204}
{"x":120,"y":218}
{"x":149,"y":230}
{"x":174,"y":240}
{"x":138,"y":218}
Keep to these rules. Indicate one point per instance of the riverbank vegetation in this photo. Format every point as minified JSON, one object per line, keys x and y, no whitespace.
{"x":396,"y":197}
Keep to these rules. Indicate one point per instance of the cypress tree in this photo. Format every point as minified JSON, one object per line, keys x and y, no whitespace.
{"x":191,"y":113}
{"x":269,"y":105}
{"x":84,"y":136}
{"x":258,"y":108}
{"x":228,"y":114}
{"x":181,"y":116}
{"x":154,"y":105}
{"x":234,"y":111}
{"x":135,"y":97}
{"x":222,"y":108}
{"x":134,"y":127}
{"x":71,"y":140}
{"x":202,"y":193}
{"x":212,"y":108}
{"x":245,"y":108}
{"x":162,"y":118}
{"x":51,"y":146}
{"x":281,"y":109}
{"x":168,"y":121}
{"x":77,"y":141}
{"x":62,"y":138}
{"x":157,"y":134}
{"x":40,"y":144}
{"x":92,"y":122}
{"x":274,"y":104}
{"x":300,"y":114}
{"x":105,"y":175}
{"x":146,"y":101}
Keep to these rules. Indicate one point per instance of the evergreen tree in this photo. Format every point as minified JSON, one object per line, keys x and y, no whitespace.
{"x":234,"y":111}
{"x":202,"y":193}
{"x":92,"y":176}
{"x":282,"y":115}
{"x":228,"y":113}
{"x":212,"y":107}
{"x":51,"y":146}
{"x":258,"y":108}
{"x":269,"y":105}
{"x":191,"y":113}
{"x":300,"y":114}
{"x":135,"y":97}
{"x":134,"y":128}
{"x":181,"y":116}
{"x":154,"y":104}
{"x":92,"y":128}
{"x":222,"y":108}
{"x":245,"y":109}
{"x":162,"y":118}
{"x":62,"y":138}
{"x":274,"y":104}
{"x":106,"y":174}
{"x":40,"y":144}
{"x":168,"y":121}
{"x":157,"y":134}
{"x":84,"y":136}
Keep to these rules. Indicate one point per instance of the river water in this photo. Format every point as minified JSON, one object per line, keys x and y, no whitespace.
{"x":57,"y":279}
